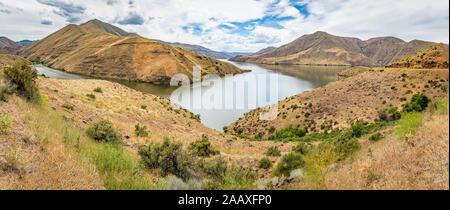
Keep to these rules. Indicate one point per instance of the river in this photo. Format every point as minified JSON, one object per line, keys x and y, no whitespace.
{"x":221,"y":101}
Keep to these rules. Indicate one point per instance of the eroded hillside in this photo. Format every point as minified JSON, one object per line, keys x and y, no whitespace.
{"x":101,"y":50}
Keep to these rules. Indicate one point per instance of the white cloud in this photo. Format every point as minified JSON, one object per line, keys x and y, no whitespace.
{"x":164,"y":19}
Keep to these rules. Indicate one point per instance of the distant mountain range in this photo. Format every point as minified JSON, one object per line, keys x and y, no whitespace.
{"x":208,"y":52}
{"x":322,"y":48}
{"x":102,"y":50}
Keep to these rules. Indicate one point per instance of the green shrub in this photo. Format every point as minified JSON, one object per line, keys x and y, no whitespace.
{"x":265,"y":163}
{"x":69,"y":106}
{"x":302,"y":148}
{"x":235,"y":178}
{"x":21,"y":77}
{"x":168,"y":157}
{"x":357,"y":129}
{"x":5,"y":92}
{"x":98,"y":90}
{"x":91,"y":96}
{"x":215,"y":168}
{"x":344,"y":147}
{"x":419,"y":102}
{"x":202,"y":148}
{"x":140,"y":131}
{"x":290,"y":133}
{"x":289,"y":163}
{"x":5,"y":123}
{"x":273,"y":152}
{"x":103,"y":131}
{"x":375,"y":137}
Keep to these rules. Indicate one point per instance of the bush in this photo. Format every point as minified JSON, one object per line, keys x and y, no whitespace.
{"x":103,"y":131}
{"x":98,"y":90}
{"x":375,"y":137}
{"x":202,"y":148}
{"x":290,"y":133}
{"x":345,"y":147}
{"x":22,"y":78}
{"x":91,"y":96}
{"x":418,"y":103}
{"x":302,"y":148}
{"x":357,"y":129}
{"x":265,"y":163}
{"x":69,"y":106}
{"x":140,"y":131}
{"x":215,"y":168}
{"x":168,"y":157}
{"x":273,"y":152}
{"x":5,"y":123}
{"x":5,"y":92}
{"x":289,"y":163}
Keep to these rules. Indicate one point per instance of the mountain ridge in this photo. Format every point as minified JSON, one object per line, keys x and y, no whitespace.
{"x":322,"y":48}
{"x":102,"y":50}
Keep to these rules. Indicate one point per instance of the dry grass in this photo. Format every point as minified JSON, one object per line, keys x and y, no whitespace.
{"x":419,"y":162}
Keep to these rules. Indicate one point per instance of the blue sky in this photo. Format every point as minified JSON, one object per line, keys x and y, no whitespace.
{"x":233,"y":25}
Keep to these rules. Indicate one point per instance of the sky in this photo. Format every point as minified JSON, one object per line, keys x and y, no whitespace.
{"x":233,"y":25}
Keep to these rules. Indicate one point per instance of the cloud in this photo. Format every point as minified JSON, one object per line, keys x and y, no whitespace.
{"x":234,"y":25}
{"x":46,"y":22}
{"x":132,"y":19}
{"x":68,"y":10}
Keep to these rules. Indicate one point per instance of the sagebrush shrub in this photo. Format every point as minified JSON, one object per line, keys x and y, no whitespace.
{"x":202,"y":148}
{"x":265,"y":163}
{"x":168,"y":157}
{"x":289,"y":163}
{"x":103,"y":131}
{"x":140,"y":131}
{"x":5,"y":123}
{"x":273,"y":152}
{"x":21,"y":77}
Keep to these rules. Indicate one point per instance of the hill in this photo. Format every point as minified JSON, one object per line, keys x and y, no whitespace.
{"x":434,"y":57}
{"x":102,"y":50}
{"x":8,"y":46}
{"x":322,"y":48}
{"x":24,"y":43}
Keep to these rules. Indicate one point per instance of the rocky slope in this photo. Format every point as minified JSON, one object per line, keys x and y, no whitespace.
{"x":101,"y":50}
{"x":322,"y":48}
{"x":8,"y":46}
{"x":341,"y":103}
{"x":435,"y":57}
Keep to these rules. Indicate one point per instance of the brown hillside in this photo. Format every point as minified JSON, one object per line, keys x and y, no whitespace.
{"x":6,"y":59}
{"x":435,"y":57}
{"x":322,"y":48}
{"x":8,"y":46}
{"x":101,"y":50}
{"x":341,"y":103}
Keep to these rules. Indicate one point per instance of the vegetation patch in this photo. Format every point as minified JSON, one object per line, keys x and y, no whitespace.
{"x":203,"y":148}
{"x":141,"y":131}
{"x":98,"y":90}
{"x":168,"y":157}
{"x":5,"y":123}
{"x":265,"y":163}
{"x":103,"y":131}
{"x":290,"y":134}
{"x":289,"y":163}
{"x":21,"y":78}
{"x":273,"y":152}
{"x":408,"y":125}
{"x":69,"y":106}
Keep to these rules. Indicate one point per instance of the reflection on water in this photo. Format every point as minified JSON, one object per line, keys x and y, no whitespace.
{"x":227,"y":99}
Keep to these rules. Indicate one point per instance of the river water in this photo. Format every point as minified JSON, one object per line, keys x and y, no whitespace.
{"x":222,"y":100}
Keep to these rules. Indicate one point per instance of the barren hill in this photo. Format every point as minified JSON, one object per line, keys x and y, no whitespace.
{"x":339,"y":104}
{"x":8,"y":46}
{"x":432,"y":57}
{"x":101,"y":50}
{"x":322,"y":48}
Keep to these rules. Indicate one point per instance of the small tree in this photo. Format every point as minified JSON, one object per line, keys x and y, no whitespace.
{"x":103,"y":131}
{"x":140,"y":131}
{"x":21,"y":77}
{"x":202,"y":148}
{"x":168,"y":157}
